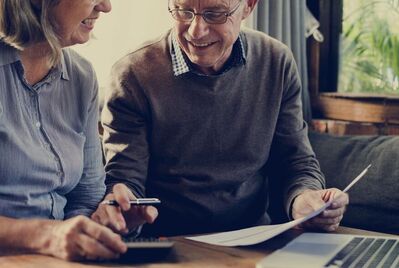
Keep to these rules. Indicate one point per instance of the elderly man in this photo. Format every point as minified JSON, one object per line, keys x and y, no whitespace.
{"x":194,"y":118}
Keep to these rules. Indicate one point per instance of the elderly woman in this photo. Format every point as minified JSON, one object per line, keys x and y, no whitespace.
{"x":51,"y":174}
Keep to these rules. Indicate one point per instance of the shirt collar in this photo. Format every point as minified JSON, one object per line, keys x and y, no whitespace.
{"x":9,"y":54}
{"x":64,"y":69}
{"x":182,"y":65}
{"x":179,"y":62}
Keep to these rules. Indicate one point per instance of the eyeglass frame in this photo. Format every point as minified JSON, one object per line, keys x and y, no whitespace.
{"x":226,"y":14}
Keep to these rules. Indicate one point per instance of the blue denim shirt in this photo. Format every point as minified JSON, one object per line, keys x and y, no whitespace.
{"x":50,"y":154}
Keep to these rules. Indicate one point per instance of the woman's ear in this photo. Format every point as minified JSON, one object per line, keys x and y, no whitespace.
{"x":249,"y":6}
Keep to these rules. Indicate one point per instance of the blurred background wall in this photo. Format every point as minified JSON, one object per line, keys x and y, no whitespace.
{"x":129,"y":24}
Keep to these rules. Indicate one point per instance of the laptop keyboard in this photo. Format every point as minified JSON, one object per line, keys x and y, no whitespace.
{"x":367,"y":252}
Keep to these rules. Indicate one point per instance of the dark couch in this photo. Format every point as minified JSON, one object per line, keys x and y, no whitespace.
{"x":374,"y":200}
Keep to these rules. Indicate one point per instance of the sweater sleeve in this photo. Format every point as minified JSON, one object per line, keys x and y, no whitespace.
{"x":125,"y":139}
{"x":291,"y":147}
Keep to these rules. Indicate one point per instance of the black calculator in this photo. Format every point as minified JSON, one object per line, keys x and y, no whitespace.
{"x":147,"y":249}
{"x":148,"y":243}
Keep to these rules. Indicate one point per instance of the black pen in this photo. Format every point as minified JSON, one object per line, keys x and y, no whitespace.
{"x":136,"y":202}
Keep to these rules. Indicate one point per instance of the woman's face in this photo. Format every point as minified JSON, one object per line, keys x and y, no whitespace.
{"x":75,"y":19}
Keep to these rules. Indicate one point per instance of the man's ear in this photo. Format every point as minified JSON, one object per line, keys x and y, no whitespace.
{"x":248,"y":8}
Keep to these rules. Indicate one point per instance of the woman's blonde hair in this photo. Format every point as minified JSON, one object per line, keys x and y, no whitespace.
{"x":23,"y":23}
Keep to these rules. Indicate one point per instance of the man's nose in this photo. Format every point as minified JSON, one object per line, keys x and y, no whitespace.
{"x":198,"y":27}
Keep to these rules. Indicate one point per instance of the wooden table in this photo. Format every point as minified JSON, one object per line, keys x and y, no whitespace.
{"x":185,"y":253}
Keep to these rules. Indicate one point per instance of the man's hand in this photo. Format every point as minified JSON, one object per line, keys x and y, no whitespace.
{"x":80,"y":238}
{"x":311,"y":200}
{"x":124,"y":217}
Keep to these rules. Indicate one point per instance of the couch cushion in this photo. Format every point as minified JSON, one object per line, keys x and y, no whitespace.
{"x":374,"y":200}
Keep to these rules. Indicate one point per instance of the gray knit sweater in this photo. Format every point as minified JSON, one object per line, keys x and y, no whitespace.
{"x":203,"y":144}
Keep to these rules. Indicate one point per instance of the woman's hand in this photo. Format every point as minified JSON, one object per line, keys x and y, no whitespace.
{"x":80,"y":238}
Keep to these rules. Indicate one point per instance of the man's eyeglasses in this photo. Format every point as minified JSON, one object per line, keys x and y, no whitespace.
{"x":211,"y":17}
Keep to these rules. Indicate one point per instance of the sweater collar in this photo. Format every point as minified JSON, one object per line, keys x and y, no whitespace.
{"x":181,"y":64}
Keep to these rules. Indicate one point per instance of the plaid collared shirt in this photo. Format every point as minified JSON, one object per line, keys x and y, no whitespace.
{"x":182,"y":65}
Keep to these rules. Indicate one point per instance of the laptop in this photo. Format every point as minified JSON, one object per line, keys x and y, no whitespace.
{"x":335,"y":250}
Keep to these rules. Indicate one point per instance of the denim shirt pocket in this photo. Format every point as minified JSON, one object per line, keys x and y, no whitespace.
{"x":80,"y":153}
{"x":75,"y":167}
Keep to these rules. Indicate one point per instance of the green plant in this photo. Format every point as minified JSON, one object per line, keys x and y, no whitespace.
{"x":370,"y":47}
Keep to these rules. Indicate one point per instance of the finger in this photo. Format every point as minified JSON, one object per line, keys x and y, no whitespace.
{"x":333,"y":228}
{"x":104,"y":235}
{"x":326,"y":195}
{"x":340,"y":200}
{"x":91,"y":249}
{"x":72,"y":251}
{"x":123,"y":195}
{"x":80,"y":253}
{"x":327,"y":221}
{"x":336,"y":195}
{"x":114,"y":218}
{"x":332,"y":213}
{"x":313,"y":225}
{"x":150,"y":214}
{"x":135,"y":216}
{"x":110,"y":216}
{"x":329,"y":227}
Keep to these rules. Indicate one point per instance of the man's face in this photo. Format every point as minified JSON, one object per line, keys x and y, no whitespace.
{"x":208,"y":46}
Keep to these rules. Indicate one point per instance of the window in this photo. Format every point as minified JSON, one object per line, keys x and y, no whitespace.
{"x":354,"y":73}
{"x":369,"y":47}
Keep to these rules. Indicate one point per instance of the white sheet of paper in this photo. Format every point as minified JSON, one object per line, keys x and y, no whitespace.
{"x":258,"y":234}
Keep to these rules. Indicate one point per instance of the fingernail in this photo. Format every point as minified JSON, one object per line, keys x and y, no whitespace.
{"x":155,"y":214}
